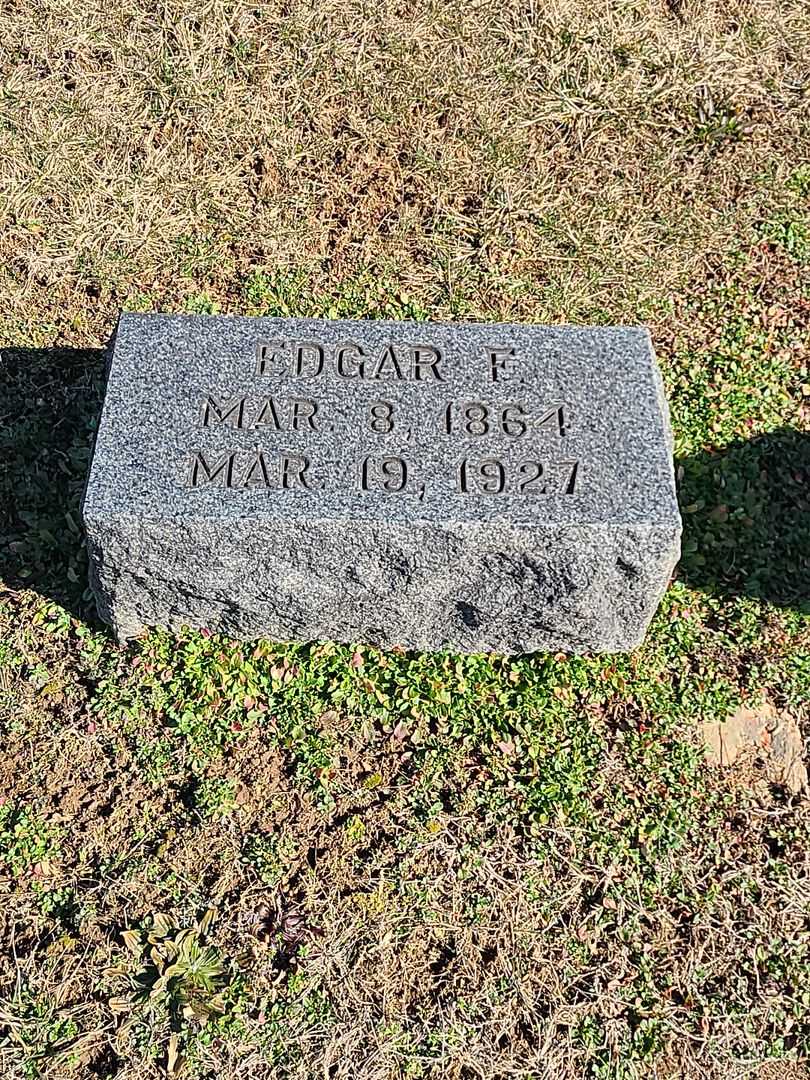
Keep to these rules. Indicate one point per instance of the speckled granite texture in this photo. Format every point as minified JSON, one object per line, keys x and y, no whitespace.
{"x":477,"y":487}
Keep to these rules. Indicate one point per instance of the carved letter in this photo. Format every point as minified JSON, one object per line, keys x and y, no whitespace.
{"x":425,"y":358}
{"x":256,"y":475}
{"x":292,"y":471}
{"x":231,"y":412}
{"x":267,"y":416}
{"x":303,"y":410}
{"x":387,"y":358}
{"x":268,"y":358}
{"x":344,"y":358}
{"x":502,"y":362}
{"x":223,"y":466}
{"x":316,"y":363}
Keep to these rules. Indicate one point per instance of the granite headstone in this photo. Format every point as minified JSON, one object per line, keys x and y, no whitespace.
{"x":478,"y":487}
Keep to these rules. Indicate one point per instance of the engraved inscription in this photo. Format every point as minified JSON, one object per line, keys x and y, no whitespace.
{"x":493,"y":470}
{"x":479,"y":418}
{"x":257,"y":469}
{"x":348,"y":360}
{"x":295,"y":414}
{"x":383,"y":474}
{"x":490,"y":476}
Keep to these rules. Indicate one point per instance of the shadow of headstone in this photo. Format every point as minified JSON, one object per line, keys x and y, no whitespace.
{"x":746,"y":516}
{"x":50,"y":400}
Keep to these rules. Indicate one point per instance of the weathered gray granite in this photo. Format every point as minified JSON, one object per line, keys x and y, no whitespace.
{"x":476,"y":487}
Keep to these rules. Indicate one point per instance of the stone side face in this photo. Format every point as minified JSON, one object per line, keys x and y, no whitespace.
{"x":476,"y":589}
{"x":559,"y":537}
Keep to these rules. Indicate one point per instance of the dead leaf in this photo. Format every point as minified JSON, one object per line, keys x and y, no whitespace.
{"x":174,"y":1060}
{"x":775,"y":735}
{"x":120,"y":1004}
{"x":162,"y":924}
{"x":132,"y":940}
{"x":206,"y":921}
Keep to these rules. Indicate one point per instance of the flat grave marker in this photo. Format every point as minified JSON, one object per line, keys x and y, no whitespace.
{"x":479,"y":487}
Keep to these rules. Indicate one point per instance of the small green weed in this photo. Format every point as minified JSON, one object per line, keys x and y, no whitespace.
{"x":214,"y":797}
{"x":270,"y":856}
{"x":43,"y":1034}
{"x":201,"y":304}
{"x":174,"y":970}
{"x":789,"y":232}
{"x":26,"y":841}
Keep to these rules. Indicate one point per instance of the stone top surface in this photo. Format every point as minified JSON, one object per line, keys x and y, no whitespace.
{"x":212,"y":417}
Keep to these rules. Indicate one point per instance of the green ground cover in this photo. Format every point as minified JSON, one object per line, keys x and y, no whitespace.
{"x":223,"y":859}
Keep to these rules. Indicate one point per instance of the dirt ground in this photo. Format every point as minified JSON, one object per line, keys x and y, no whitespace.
{"x":317,"y":861}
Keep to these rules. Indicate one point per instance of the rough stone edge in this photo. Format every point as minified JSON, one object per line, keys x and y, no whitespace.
{"x":127,"y":627}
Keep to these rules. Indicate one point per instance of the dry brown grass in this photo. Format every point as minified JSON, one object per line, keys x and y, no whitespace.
{"x":503,"y":158}
{"x":442,"y":954}
{"x":544,"y":160}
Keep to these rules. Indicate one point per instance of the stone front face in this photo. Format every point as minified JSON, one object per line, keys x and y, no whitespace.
{"x":474,"y":487}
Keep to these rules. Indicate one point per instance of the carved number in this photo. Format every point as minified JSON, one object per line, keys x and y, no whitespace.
{"x":490,"y":477}
{"x":479,"y":418}
{"x":530,"y":473}
{"x":385,"y":474}
{"x":382,"y":413}
{"x":556,"y":414}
